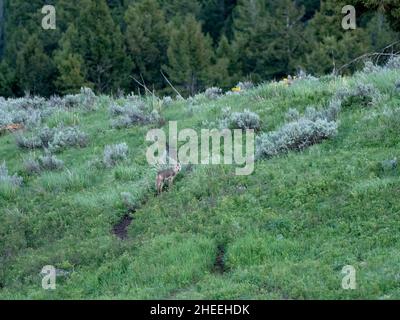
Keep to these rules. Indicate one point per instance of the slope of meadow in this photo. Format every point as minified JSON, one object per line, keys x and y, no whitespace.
{"x":284,"y":232}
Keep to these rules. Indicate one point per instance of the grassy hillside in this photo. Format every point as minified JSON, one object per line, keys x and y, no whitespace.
{"x":284,"y":232}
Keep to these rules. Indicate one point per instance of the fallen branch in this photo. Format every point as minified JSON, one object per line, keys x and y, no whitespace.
{"x":166,"y":79}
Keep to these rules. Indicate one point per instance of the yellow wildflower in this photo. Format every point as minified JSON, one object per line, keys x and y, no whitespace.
{"x":236,"y":89}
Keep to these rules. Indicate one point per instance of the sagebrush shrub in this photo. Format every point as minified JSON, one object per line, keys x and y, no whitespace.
{"x":68,"y":137}
{"x":167,"y":101}
{"x":39,"y":138}
{"x":292,"y":115}
{"x":393,"y":62}
{"x":303,"y":75}
{"x":397,"y":85}
{"x":370,"y":67}
{"x":27,"y":103}
{"x":56,"y":102}
{"x":87,"y":98}
{"x":213,"y":93}
{"x":114,"y":154}
{"x":71,"y":101}
{"x":6,"y":180}
{"x":46,"y":135}
{"x":32,"y":166}
{"x":31,"y":141}
{"x":244,"y":120}
{"x":50,"y":162}
{"x":132,"y":114}
{"x":245,"y":85}
{"x":240,"y":120}
{"x":363,"y":94}
{"x":116,"y":110}
{"x":5,"y":117}
{"x":367,"y":94}
{"x":295,"y":135}
{"x":388,"y":166}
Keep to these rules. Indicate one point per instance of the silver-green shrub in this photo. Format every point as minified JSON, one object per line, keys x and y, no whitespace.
{"x":364,"y":94}
{"x":71,"y":101}
{"x":114,"y":154}
{"x":32,"y":166}
{"x":245,"y":85}
{"x":87,"y":98}
{"x":393,"y":62}
{"x":130,"y":114}
{"x":213,"y":93}
{"x":239,"y":120}
{"x":370,"y":67}
{"x":31,"y":141}
{"x":167,"y":101}
{"x":397,"y":85}
{"x":50,"y":162}
{"x":292,"y":115}
{"x":296,"y":135}
{"x":68,"y":137}
{"x":6,"y":180}
{"x":244,"y":120}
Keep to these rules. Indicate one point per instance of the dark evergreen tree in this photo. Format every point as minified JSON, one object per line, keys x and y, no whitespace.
{"x":70,"y":64}
{"x":147,"y":41}
{"x":225,"y":72}
{"x":34,"y":68}
{"x":216,"y":16}
{"x":99,"y":42}
{"x":268,"y":37}
{"x":189,"y":56}
{"x":180,"y":8}
{"x":331,"y":46}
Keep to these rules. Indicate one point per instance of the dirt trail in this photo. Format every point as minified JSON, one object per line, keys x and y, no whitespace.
{"x":120,"y":229}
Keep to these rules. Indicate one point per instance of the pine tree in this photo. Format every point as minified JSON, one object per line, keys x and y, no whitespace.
{"x":287,"y":42}
{"x":100,"y":43}
{"x":189,"y":56}
{"x":1,"y":28}
{"x":390,"y":8}
{"x":7,"y":80}
{"x":268,"y":37}
{"x":147,"y":40}
{"x":331,"y":46}
{"x":34,"y":68}
{"x":225,"y":72}
{"x":176,"y":9}
{"x":70,"y":65}
{"x":216,"y":16}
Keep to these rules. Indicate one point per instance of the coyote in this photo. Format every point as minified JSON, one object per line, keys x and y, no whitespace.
{"x":166,"y":175}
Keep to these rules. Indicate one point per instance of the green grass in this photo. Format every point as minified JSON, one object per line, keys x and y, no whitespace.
{"x":287,"y":230}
